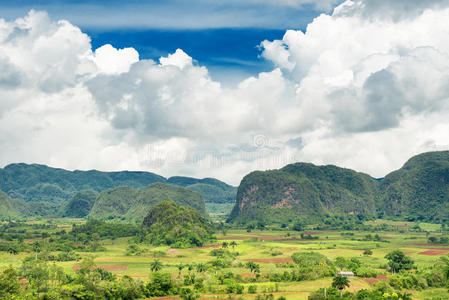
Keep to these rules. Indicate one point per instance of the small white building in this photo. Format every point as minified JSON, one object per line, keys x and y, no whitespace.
{"x":347,"y":274}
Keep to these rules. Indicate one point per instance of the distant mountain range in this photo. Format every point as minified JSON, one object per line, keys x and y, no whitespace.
{"x":417,"y":191}
{"x":41,"y":190}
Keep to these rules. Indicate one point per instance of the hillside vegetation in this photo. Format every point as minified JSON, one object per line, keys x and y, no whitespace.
{"x":128,"y":204}
{"x":42,"y":183}
{"x":54,"y":192}
{"x":419,"y":190}
{"x":177,"y":226}
{"x":80,"y":204}
{"x":7,"y":207}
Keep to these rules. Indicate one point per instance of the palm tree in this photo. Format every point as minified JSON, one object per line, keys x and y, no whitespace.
{"x":180,"y":267}
{"x":233,"y":244}
{"x":201,"y":267}
{"x":340,"y":282}
{"x":155,"y":265}
{"x":253,"y":267}
{"x":224,"y":245}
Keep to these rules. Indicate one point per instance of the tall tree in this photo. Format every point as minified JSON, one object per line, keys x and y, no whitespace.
{"x":398,"y":261}
{"x":155,"y":265}
{"x":233,"y":244}
{"x":340,"y":282}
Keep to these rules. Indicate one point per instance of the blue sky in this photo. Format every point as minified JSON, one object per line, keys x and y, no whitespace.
{"x":224,"y":37}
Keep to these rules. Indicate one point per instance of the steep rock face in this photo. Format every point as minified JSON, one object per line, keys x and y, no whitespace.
{"x":129,"y":204}
{"x":419,"y":190}
{"x":303,"y":190}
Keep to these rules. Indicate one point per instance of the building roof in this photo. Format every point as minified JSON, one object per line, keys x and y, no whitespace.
{"x":346,"y":273}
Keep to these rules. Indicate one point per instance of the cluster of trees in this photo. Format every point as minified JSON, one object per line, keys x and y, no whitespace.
{"x":85,"y":237}
{"x":40,"y":280}
{"x":379,"y":292}
{"x":177,"y":226}
{"x":443,"y":240}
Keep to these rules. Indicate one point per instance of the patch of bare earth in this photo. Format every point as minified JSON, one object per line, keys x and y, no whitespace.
{"x":248,"y":275}
{"x":435,"y":252}
{"x":173,"y":252}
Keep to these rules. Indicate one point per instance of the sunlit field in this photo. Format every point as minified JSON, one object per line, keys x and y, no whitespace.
{"x":271,"y":249}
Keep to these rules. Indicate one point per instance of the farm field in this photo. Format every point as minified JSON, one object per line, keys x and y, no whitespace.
{"x":271,"y":249}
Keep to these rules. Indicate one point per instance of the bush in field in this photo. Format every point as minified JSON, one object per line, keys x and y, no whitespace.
{"x":307,"y":259}
{"x":160,"y":285}
{"x":408,"y":281}
{"x":368,"y":252}
{"x":349,"y":264}
{"x":9,"y":285}
{"x":252,"y":289}
{"x":188,"y":294}
{"x":398,"y":261}
{"x":312,"y":265}
{"x":234,"y":288}
{"x":220,"y":252}
{"x":365,"y":272}
{"x":134,"y":249}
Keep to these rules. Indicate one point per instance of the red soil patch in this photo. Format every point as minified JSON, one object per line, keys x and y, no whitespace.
{"x":32,"y":241}
{"x":31,"y":222}
{"x":106,"y":267}
{"x":372,"y":281}
{"x":435,"y":252}
{"x":386,"y":237}
{"x":276,"y":260}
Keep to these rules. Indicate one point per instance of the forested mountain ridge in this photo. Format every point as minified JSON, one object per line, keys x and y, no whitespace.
{"x":417,"y":191}
{"x":49,"y":191}
{"x":127,"y":203}
{"x":7,"y":207}
{"x":42,"y":183}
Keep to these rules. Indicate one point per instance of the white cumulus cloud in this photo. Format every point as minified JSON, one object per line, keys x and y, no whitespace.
{"x":357,"y":89}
